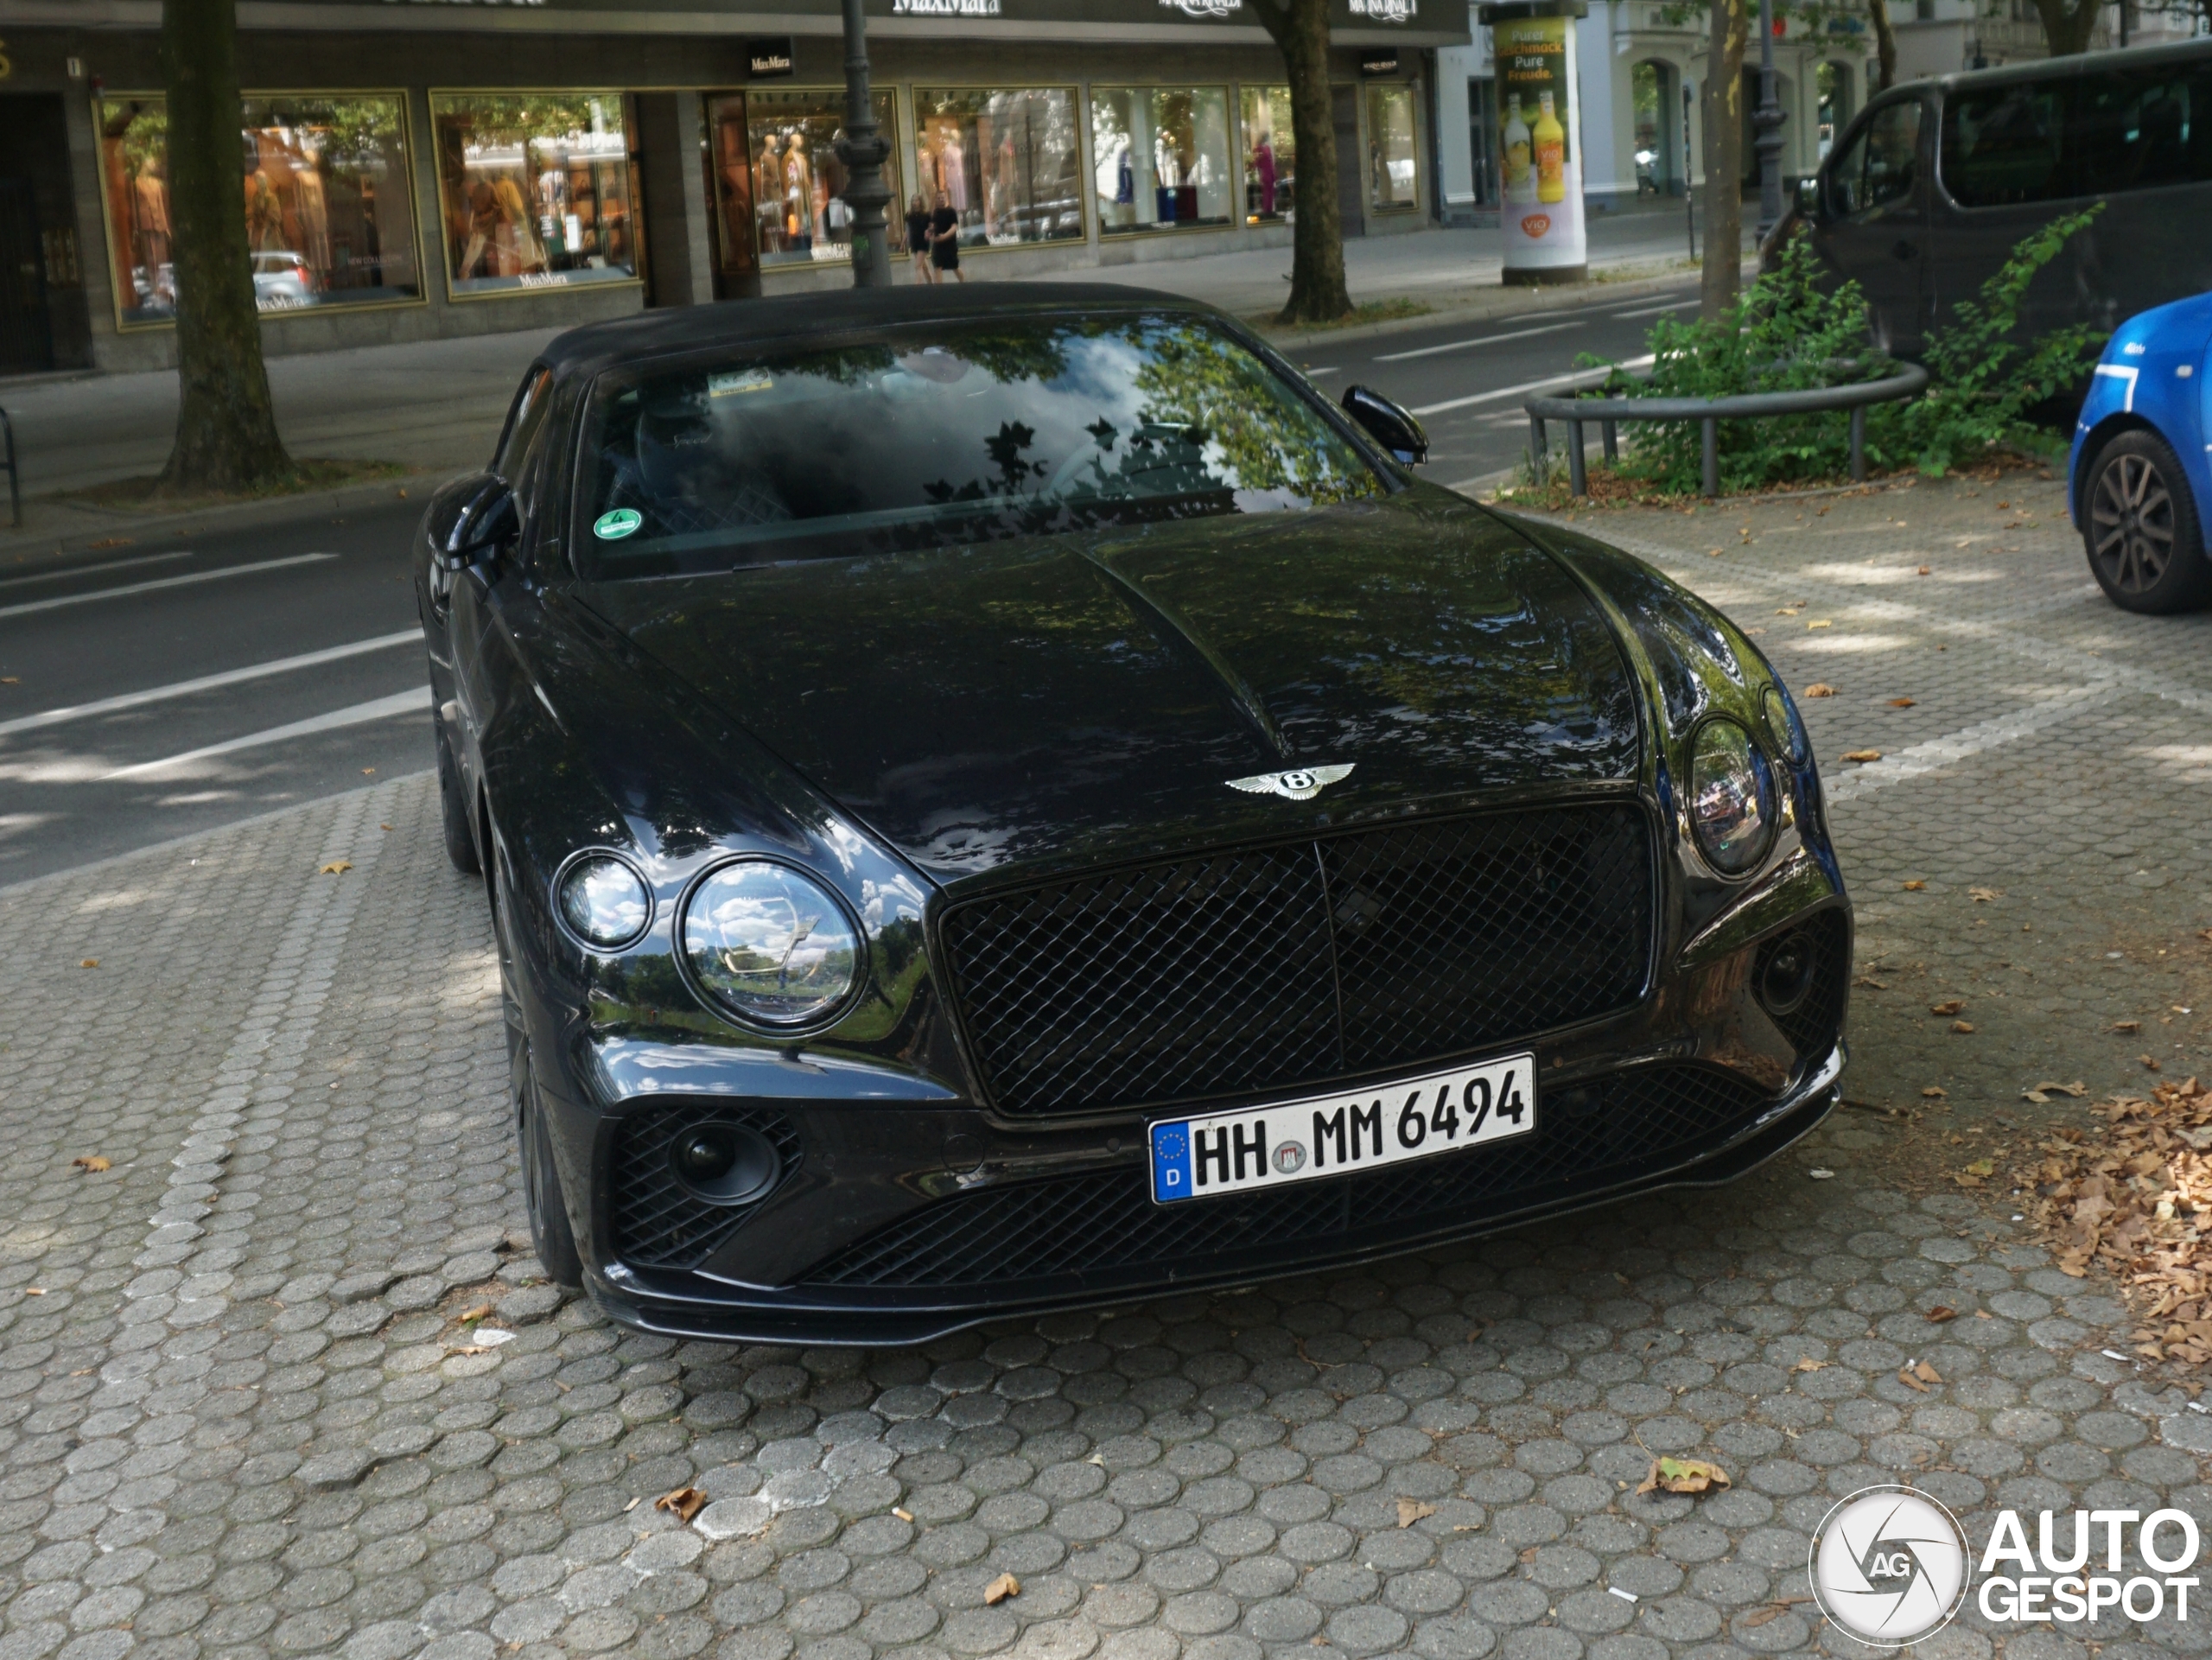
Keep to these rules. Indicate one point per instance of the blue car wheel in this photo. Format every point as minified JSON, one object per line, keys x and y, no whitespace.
{"x":2141,"y":530}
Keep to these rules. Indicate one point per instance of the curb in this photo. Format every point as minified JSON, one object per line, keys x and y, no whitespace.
{"x":52,"y":544}
{"x":1635,"y":282}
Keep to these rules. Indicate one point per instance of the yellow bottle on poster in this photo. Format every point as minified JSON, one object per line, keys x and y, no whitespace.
{"x":1551,"y":152}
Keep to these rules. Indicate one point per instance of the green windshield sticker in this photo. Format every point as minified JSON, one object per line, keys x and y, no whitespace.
{"x":613,"y":526}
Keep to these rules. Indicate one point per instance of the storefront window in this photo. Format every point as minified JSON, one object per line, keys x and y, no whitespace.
{"x":536,"y":189}
{"x":328,"y":212}
{"x":1270,"y":154}
{"x":1162,"y":155}
{"x":797,"y":182}
{"x":1390,"y":148}
{"x":1005,"y":161}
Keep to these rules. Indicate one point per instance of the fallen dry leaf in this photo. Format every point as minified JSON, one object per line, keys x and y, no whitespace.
{"x":1862,"y":755}
{"x":1941,"y":1313}
{"x":1966,"y":1027}
{"x":2129,"y":1027}
{"x":1466,"y":1527}
{"x":1983,"y":1314}
{"x":1981,"y":1167}
{"x":686,"y":1502}
{"x":477,"y":1313}
{"x":1900,"y":703}
{"x":2150,"y":1063}
{"x":1000,"y":1588}
{"x":1411,"y":1510}
{"x":1905,"y":1377}
{"x":1926,"y":1373}
{"x":1922,"y":572}
{"x":2044,"y":1091}
{"x":1821,"y":689}
{"x":336,"y":867}
{"x":367,"y":771}
{"x":1949,"y":1006}
{"x":1822,"y":623}
{"x":92,"y":1163}
{"x":90,"y":962}
{"x":1808,"y":1364}
{"x":1683,"y":1476}
{"x":384,"y":827}
{"x":1915,"y":885}
{"x":1984,"y":895}
{"x":1936,"y":1092}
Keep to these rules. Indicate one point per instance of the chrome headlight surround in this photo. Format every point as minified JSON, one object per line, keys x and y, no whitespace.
{"x":1731,"y":804}
{"x":770,"y":946}
{"x":595,"y":909}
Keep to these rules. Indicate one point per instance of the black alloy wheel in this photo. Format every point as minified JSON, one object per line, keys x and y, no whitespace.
{"x":550,"y":1235}
{"x":2146,"y":548}
{"x":453,"y":805}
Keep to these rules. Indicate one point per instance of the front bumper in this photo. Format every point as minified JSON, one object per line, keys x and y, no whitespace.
{"x":881,"y":1290}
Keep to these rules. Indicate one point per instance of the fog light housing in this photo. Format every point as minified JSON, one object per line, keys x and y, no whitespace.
{"x":1785,"y":973}
{"x":724,"y":1164}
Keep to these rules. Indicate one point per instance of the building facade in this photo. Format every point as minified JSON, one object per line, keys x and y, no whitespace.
{"x":418,"y":170}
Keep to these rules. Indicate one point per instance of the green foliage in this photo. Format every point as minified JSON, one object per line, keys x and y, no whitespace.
{"x":1785,"y":335}
{"x":1980,"y":381}
{"x":1782,"y":334}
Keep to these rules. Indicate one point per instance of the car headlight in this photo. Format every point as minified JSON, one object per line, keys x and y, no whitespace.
{"x":768,"y":945}
{"x":1732,"y":796}
{"x":604,"y":902}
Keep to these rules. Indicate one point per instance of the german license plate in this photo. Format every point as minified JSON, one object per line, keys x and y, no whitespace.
{"x":1332,"y":1134}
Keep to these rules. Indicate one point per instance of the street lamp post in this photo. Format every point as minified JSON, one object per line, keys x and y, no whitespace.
{"x":863,"y":150}
{"x":1766,"y":123}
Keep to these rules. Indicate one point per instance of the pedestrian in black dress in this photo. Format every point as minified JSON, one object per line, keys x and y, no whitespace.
{"x":918,"y":237}
{"x":944,"y":240}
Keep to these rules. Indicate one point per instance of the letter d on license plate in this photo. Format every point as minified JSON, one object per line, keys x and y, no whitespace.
{"x":1333,"y":1134}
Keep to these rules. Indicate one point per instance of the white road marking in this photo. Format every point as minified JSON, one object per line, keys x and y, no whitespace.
{"x":377,"y":709}
{"x":1461,"y":346}
{"x":29,"y":606}
{"x":1583,"y":377}
{"x":207,"y":682}
{"x":86,"y":570}
{"x":1653,"y":311}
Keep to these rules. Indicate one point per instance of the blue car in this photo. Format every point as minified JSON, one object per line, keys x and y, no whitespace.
{"x":2141,"y":476}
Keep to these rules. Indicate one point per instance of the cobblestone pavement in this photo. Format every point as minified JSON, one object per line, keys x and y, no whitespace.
{"x":239,"y":1414}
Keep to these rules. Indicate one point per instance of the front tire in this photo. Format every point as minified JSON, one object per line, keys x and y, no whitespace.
{"x":2144,"y":540}
{"x":550,"y":1235}
{"x":453,"y":804}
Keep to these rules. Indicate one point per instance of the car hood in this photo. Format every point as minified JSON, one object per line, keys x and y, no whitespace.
{"x":1074,"y":697}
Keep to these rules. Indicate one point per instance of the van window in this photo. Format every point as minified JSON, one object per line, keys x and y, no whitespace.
{"x":2134,"y":130}
{"x":1881,"y":164}
{"x":2004,"y":145}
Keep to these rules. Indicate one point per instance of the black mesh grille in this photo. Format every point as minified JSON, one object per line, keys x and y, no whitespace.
{"x":1266,"y":967}
{"x":657,"y":1224}
{"x":1814,"y":1026}
{"x":1591,"y":1136}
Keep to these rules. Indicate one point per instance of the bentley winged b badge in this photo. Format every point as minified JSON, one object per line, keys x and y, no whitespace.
{"x":1300,"y":783}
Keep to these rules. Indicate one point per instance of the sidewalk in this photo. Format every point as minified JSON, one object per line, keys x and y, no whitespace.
{"x":436,"y":406}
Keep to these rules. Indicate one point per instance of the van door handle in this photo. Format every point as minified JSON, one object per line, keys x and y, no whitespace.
{"x":1904,"y":251}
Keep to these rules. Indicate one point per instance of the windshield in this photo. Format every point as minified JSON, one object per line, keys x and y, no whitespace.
{"x":949,"y":434}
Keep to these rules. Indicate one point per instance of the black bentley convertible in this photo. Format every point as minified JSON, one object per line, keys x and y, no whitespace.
{"x":1002,"y":798}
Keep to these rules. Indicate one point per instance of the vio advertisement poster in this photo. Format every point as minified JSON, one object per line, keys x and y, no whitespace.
{"x":1542,"y":166}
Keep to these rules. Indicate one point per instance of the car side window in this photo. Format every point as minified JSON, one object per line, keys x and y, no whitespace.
{"x":524,"y":420}
{"x":2136,"y":130}
{"x":1880,"y":164}
{"x":2006,"y":145}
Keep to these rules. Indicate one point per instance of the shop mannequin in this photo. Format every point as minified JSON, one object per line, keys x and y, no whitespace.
{"x":149,"y":196}
{"x":768,"y":194}
{"x":265,"y":214}
{"x":953,"y":162}
{"x":311,"y":214}
{"x":799,"y":193}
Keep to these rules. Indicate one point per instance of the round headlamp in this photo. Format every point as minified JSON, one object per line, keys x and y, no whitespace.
{"x":1732,"y":798}
{"x":605,"y":903}
{"x":768,"y":945}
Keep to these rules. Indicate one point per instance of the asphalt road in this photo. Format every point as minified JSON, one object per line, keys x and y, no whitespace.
{"x":164,"y":687}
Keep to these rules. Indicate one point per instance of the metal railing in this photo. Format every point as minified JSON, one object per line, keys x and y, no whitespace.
{"x":1904,"y":380}
{"x":15,"y":479}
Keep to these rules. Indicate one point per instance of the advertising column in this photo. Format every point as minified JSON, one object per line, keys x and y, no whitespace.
{"x":1540,"y":144}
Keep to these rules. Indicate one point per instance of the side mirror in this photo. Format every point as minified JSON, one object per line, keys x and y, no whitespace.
{"x":470,"y":520}
{"x":1808,"y":196}
{"x":1391,"y":425}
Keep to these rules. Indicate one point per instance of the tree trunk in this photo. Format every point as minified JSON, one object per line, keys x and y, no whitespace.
{"x":1885,"y":46}
{"x":1723,"y":160}
{"x":2067,"y":28}
{"x":226,"y":428}
{"x":1318,"y":294}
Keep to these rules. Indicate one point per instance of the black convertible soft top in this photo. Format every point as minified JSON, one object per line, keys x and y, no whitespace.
{"x":790,"y":316}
